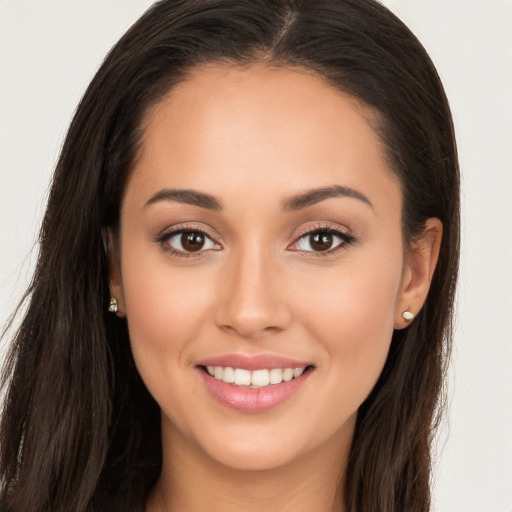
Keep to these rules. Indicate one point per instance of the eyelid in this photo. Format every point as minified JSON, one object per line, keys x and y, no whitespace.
{"x":172,"y":231}
{"x":342,"y":232}
{"x":180,"y":228}
{"x":323,"y":226}
{"x":347,"y":236}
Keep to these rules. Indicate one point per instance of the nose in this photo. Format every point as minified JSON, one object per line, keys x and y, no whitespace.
{"x":252,"y":300}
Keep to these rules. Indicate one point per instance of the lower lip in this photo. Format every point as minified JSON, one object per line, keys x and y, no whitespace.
{"x":253,"y":399}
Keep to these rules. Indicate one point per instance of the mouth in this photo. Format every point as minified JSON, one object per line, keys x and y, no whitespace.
{"x":254,"y":379}
{"x":254,"y":386}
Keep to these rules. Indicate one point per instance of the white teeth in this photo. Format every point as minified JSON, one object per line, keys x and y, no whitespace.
{"x":276,"y":376}
{"x":288,"y":374}
{"x":242,"y":377}
{"x":298,"y":372}
{"x":229,"y":375}
{"x":256,"y":378}
{"x":260,"y":378}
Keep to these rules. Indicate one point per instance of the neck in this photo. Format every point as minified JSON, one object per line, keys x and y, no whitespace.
{"x":191,"y":482}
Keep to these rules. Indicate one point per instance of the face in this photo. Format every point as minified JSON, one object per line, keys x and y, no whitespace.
{"x":260,"y":242}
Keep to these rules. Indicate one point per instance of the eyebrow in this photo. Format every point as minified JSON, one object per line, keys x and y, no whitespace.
{"x":192,"y":197}
{"x":314,"y":196}
{"x":294,"y":203}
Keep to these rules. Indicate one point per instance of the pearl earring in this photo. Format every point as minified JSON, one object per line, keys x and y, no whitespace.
{"x":112,"y":307}
{"x":408,"y":316}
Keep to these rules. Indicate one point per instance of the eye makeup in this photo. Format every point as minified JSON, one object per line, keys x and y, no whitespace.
{"x":322,"y":240}
{"x":187,"y":241}
{"x":191,"y":241}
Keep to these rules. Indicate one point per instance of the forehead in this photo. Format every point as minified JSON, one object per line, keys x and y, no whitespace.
{"x":227,"y":129}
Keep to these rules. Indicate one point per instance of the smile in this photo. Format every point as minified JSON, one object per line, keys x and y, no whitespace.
{"x":256,"y":378}
{"x":253,"y":384}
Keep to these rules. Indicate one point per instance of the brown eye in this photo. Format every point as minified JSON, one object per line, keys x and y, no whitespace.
{"x":321,"y":241}
{"x":192,"y":241}
{"x":183,"y":242}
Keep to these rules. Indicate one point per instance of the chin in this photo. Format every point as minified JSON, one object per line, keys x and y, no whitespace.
{"x":259,"y":450}
{"x":244,"y":447}
{"x":252,"y":458}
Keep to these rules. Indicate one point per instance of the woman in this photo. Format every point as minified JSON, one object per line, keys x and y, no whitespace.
{"x":244,"y":290}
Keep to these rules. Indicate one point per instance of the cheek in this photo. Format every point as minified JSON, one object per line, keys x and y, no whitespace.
{"x":353,"y":300}
{"x":165,"y":310}
{"x":354,"y":319}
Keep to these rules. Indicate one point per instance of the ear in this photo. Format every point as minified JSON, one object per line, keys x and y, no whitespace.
{"x":111,"y":241}
{"x":419,"y":267}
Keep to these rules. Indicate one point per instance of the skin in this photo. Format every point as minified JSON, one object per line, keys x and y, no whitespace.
{"x":253,"y":138}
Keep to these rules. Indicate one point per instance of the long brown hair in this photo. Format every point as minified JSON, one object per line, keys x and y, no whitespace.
{"x":79,"y":430}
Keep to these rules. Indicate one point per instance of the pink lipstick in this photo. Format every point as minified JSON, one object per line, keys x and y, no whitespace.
{"x":253,"y":383}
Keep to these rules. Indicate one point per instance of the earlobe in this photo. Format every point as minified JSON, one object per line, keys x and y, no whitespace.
{"x":116,"y":304}
{"x":418,"y":271}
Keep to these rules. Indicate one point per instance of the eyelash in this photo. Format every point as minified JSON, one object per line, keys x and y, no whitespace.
{"x":167,"y":235}
{"x":346,"y":237}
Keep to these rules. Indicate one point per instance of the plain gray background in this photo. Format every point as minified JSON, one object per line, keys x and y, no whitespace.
{"x":49,"y":50}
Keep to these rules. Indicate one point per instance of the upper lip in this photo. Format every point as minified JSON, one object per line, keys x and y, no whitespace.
{"x":256,"y":362}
